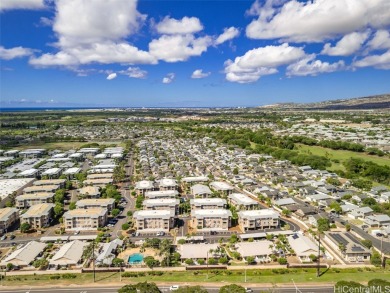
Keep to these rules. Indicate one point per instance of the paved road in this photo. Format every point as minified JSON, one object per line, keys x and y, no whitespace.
{"x":130,"y":202}
{"x":316,"y":289}
{"x":375,"y":241}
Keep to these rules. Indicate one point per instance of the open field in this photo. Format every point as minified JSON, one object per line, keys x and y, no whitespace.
{"x":66,"y":145}
{"x":341,"y":155}
{"x":253,"y":276}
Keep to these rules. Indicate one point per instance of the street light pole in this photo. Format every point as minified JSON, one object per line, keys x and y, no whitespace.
{"x":93,"y":260}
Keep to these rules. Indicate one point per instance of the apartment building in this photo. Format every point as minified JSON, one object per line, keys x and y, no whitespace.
{"x":161,"y":194}
{"x":200,"y":190}
{"x":38,"y":216}
{"x":211,"y":219}
{"x":154,"y":220}
{"x":141,"y":187}
{"x":208,"y":203}
{"x":27,"y":200}
{"x":258,"y":219}
{"x":171,"y":204}
{"x":222,"y":187}
{"x":42,"y":188}
{"x":60,"y":182}
{"x":85,"y":219}
{"x":167,"y":184}
{"x":242,"y":201}
{"x":8,"y":216}
{"x":91,"y":203}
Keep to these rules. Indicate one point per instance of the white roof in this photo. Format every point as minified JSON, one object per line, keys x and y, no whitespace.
{"x":200,"y":189}
{"x":153,"y":214}
{"x":285,"y":201}
{"x":167,"y":182}
{"x":211,"y":213}
{"x":8,"y":186}
{"x":255,"y":248}
{"x":104,"y":166}
{"x":256,"y":214}
{"x":196,"y":251}
{"x":52,"y":171}
{"x":72,"y":171}
{"x":161,"y":201}
{"x":242,"y":199}
{"x":28,"y":172}
{"x":302,"y":245}
{"x":69,"y":254}
{"x":195,"y":179}
{"x":208,"y":201}
{"x":161,"y":193}
{"x":76,"y":155}
{"x":220,"y":185}
{"x":25,"y":255}
{"x":144,"y":184}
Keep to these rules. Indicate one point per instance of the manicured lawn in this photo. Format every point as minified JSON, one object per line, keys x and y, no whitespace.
{"x":253,"y":276}
{"x":341,"y":155}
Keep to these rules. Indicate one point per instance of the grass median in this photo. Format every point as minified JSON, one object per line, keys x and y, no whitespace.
{"x":268,"y":276}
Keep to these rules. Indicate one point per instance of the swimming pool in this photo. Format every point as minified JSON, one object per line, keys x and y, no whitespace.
{"x":136,"y":258}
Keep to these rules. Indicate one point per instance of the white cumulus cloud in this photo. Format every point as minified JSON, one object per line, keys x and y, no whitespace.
{"x":348,"y":45}
{"x":169,"y":78}
{"x":111,"y":76}
{"x":381,"y":40}
{"x":174,"y":48}
{"x":309,"y":66}
{"x":198,"y":73}
{"x":95,"y":31}
{"x":134,"y":72}
{"x":186,"y":25}
{"x":21,"y":4}
{"x":228,"y":34}
{"x":380,"y":61}
{"x":16,"y":52}
{"x":261,"y":61}
{"x":317,"y":20}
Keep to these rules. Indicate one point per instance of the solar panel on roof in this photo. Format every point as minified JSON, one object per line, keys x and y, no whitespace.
{"x":352,"y":238}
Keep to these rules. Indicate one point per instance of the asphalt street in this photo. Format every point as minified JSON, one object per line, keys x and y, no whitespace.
{"x":308,"y":289}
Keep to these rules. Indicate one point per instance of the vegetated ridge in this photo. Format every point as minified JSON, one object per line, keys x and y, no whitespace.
{"x":363,"y":103}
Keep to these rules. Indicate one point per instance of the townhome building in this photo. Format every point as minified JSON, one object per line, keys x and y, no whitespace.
{"x":38,"y":216}
{"x":85,"y":219}
{"x":258,"y":219}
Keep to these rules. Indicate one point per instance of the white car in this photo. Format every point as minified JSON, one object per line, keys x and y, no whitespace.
{"x":174,"y":288}
{"x":248,"y":290}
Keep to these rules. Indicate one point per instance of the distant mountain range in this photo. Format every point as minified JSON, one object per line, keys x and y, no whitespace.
{"x":363,"y":103}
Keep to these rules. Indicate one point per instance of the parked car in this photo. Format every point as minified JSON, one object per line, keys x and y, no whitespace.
{"x":12,"y":237}
{"x":161,"y":233}
{"x":3,"y":237}
{"x":174,"y":288}
{"x":248,"y":290}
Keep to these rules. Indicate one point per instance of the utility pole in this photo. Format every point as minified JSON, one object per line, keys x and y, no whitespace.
{"x":319,"y":254}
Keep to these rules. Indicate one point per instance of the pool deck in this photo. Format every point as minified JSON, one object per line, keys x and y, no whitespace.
{"x":148,"y":252}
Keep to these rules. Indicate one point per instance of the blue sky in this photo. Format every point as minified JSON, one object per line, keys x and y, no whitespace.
{"x":191,"y":53}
